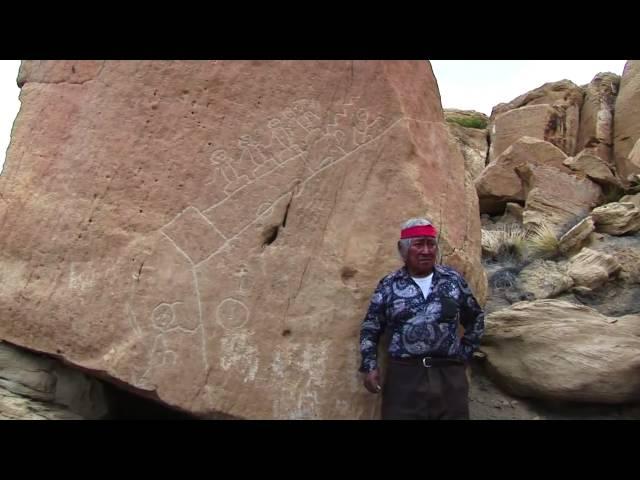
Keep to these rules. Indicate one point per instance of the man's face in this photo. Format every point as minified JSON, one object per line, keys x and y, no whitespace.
{"x":422,"y":255}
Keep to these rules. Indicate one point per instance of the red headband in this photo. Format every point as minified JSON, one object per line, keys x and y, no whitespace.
{"x":419,"y":231}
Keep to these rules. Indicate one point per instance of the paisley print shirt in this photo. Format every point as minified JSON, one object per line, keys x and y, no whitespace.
{"x":419,"y":326}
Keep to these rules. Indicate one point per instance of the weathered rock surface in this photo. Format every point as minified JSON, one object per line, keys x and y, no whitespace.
{"x":593,"y":167}
{"x":33,"y":387}
{"x":544,"y":279}
{"x":626,"y":251}
{"x":617,"y":218}
{"x":576,"y":236}
{"x":592,"y":268}
{"x":556,"y":198}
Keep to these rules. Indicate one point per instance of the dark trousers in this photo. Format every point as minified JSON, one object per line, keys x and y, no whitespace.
{"x":412,"y":391}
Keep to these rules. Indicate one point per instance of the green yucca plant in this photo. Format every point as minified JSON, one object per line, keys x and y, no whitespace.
{"x":542,"y":241}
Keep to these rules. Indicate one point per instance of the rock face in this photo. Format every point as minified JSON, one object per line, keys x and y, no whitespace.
{"x":473,"y":142}
{"x":556,"y":350}
{"x":550,"y":112}
{"x":499,"y":183}
{"x":627,"y":121}
{"x":211,"y":232}
{"x":596,"y":117}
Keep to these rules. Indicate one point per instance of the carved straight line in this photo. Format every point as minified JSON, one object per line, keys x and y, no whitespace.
{"x":201,"y":322}
{"x":181,"y":329}
{"x":133,"y":321}
{"x":204,"y":347}
{"x":173,"y":220}
{"x":150,"y":364}
{"x":177,"y":247}
{"x":208,"y":221}
{"x":302,"y":126}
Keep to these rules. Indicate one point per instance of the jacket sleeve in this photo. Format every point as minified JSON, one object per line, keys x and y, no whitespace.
{"x":472,"y":319}
{"x":373,"y":326}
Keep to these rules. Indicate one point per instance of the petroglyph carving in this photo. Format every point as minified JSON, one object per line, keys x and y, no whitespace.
{"x":224,"y":163}
{"x":242,"y":274}
{"x":289,"y":150}
{"x":163,"y":316}
{"x":232,"y":314}
{"x":193,"y":234}
{"x":239,"y":354}
{"x":265,"y":208}
{"x":161,"y":356}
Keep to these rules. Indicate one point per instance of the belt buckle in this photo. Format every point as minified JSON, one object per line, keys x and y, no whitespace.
{"x":424,"y":362}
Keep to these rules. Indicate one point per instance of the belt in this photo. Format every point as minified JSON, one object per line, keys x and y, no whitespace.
{"x":426,"y":362}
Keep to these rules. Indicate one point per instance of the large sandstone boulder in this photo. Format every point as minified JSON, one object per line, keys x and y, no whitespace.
{"x":555,"y":350}
{"x":550,"y":112}
{"x":544,"y":279}
{"x":576,"y":236}
{"x":555,"y":198}
{"x":210,"y":233}
{"x":592,"y":268}
{"x":499,"y":183}
{"x":596,"y":116}
{"x":627,"y":121}
{"x":617,"y":218}
{"x":563,"y":92}
{"x":472,"y":141}
{"x":593,"y":167}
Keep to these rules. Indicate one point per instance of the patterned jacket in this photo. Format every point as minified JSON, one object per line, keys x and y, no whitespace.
{"x":420,"y":327}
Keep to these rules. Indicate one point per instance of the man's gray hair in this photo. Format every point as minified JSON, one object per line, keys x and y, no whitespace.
{"x":405,"y":243}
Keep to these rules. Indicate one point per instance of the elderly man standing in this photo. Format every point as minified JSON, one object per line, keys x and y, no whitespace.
{"x":421,"y":305}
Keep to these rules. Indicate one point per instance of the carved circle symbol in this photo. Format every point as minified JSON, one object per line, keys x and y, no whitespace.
{"x":162,"y":315}
{"x":232,"y":313}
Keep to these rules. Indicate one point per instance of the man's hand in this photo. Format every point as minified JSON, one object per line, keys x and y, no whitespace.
{"x":372,"y":381}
